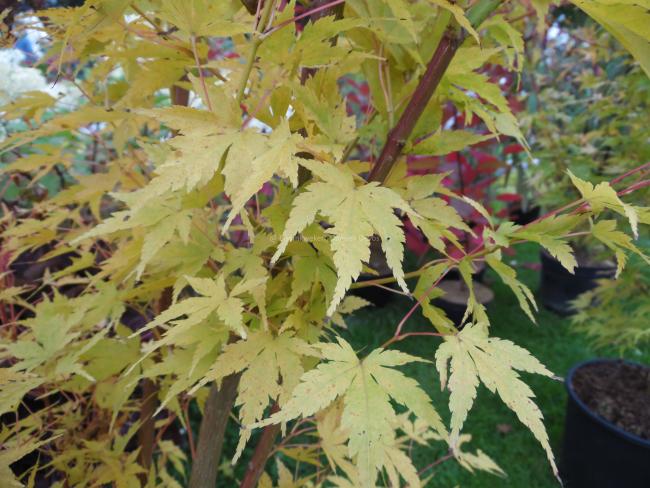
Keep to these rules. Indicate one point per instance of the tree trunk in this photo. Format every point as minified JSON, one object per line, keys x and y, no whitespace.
{"x":262,"y":452}
{"x":213,"y":427}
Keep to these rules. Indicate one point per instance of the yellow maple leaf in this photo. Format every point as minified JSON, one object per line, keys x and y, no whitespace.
{"x":603,"y":196}
{"x":357,"y":213}
{"x":253,"y":160}
{"x":474,"y":356}
{"x":271,"y":368}
{"x":367,"y":387}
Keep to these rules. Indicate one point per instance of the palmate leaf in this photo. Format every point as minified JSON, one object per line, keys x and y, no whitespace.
{"x":191,"y":164}
{"x":474,"y":356}
{"x":509,"y":276}
{"x":602,"y":196}
{"x":271,"y":368}
{"x":254,"y":159}
{"x":459,"y":15}
{"x":16,"y":444}
{"x":549,"y":234}
{"x":356,"y":212}
{"x":159,"y":222}
{"x":229,"y":307}
{"x":475,"y":461}
{"x":203,"y":17}
{"x":367,"y":387}
{"x":445,"y":142}
{"x":14,"y":386}
{"x":619,"y":242}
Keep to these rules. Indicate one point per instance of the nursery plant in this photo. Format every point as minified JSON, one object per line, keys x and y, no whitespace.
{"x":608,"y":397}
{"x":589,"y":113}
{"x":588,"y":107}
{"x":213,"y":232}
{"x":614,"y":314}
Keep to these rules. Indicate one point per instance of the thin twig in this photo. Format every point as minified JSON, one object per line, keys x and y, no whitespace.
{"x":257,"y":40}
{"x":441,"y":460}
{"x":198,"y":66}
{"x":620,"y":178}
{"x":308,"y":13}
{"x":398,"y":330}
{"x":401,"y":337}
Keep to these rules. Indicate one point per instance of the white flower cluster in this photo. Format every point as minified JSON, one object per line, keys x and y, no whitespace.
{"x":17,"y":79}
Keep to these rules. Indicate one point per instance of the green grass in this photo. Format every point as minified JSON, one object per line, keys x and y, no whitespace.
{"x":516,"y":451}
{"x":551,"y":341}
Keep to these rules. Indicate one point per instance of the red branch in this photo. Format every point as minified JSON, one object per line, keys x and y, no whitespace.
{"x":398,"y":136}
{"x":262,"y":452}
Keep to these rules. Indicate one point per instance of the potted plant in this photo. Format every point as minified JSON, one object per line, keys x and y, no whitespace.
{"x":590,"y":104}
{"x":607,"y":426}
{"x":197,"y":153}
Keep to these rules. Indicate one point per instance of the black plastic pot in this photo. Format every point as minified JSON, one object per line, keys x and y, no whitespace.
{"x":597,"y":453}
{"x":558,"y":287}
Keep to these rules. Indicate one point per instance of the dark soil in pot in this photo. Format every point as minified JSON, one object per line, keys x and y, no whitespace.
{"x":558,"y":287}
{"x":618,"y":392}
{"x":454,"y":301}
{"x":607,"y":427}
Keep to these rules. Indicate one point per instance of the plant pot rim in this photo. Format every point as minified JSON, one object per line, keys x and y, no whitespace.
{"x":597,"y":418}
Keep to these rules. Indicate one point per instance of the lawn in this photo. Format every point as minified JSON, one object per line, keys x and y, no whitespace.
{"x":495,"y":429}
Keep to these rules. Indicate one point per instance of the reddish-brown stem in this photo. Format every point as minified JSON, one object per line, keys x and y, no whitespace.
{"x":438,"y":64}
{"x":398,"y":136}
{"x":441,"y":460}
{"x":147,"y":432}
{"x":166,"y":425}
{"x":638,"y":169}
{"x":309,"y":13}
{"x":633,"y":188}
{"x":217,"y":409}
{"x":401,"y":337}
{"x":398,"y":330}
{"x":263,"y":450}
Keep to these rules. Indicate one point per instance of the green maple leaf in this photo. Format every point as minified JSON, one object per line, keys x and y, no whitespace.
{"x":14,"y":386}
{"x":619,"y":242}
{"x":203,"y":17}
{"x":509,"y":276}
{"x":367,"y":387}
{"x":549,"y":234}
